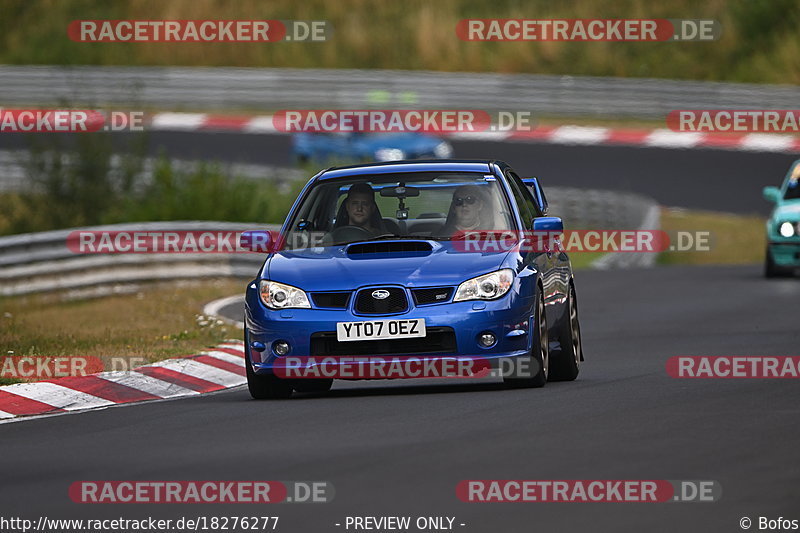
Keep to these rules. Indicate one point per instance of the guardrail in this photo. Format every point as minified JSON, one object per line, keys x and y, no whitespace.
{"x":177,"y":88}
{"x":14,"y":172}
{"x":38,"y":262}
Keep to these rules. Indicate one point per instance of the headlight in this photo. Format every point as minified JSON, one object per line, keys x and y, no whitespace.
{"x":389,"y":154}
{"x":786,"y":229}
{"x":486,"y":287}
{"x":279,"y":296}
{"x":443,"y":150}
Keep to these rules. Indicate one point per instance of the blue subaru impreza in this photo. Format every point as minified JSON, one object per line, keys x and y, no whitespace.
{"x":371,"y":263}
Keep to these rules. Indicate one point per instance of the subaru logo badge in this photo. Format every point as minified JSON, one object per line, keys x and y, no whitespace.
{"x":380,"y":294}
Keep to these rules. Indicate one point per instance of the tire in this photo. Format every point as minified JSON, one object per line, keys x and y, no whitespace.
{"x":267,"y":387}
{"x":540,"y":351}
{"x":771,"y":270}
{"x":567,"y":365}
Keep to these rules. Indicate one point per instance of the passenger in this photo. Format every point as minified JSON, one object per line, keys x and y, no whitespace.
{"x":469,"y":210}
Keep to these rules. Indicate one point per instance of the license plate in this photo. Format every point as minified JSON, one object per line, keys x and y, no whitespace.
{"x":380,"y":329}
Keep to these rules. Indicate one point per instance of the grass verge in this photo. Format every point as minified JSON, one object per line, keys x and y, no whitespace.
{"x":735,"y":239}
{"x":157,"y":322}
{"x":582,"y":260}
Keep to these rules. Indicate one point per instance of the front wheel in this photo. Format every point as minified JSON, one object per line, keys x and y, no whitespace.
{"x":539,"y":357}
{"x":267,"y":387}
{"x":771,"y":270}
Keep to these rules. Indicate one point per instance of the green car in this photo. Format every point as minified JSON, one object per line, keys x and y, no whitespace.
{"x":783,"y":226}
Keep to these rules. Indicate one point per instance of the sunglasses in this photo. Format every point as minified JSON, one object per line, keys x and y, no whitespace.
{"x":469,"y":200}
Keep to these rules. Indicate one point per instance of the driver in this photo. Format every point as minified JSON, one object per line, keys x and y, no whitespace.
{"x":359,"y":209}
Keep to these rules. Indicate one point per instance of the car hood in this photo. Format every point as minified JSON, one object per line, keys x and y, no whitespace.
{"x":789,"y":211}
{"x":334,"y":269}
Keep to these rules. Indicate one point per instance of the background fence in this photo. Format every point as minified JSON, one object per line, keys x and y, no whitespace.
{"x":191,"y":88}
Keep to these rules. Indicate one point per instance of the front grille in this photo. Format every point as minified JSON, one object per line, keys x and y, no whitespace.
{"x":331,"y":300}
{"x":438,"y":340}
{"x":433,"y":295}
{"x":367,"y":304}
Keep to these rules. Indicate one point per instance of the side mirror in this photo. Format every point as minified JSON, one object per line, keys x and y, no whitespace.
{"x":548,"y":224}
{"x":256,"y":241}
{"x":772,"y":194}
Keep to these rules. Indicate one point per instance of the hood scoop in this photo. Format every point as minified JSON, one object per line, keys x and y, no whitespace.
{"x":396,"y":248}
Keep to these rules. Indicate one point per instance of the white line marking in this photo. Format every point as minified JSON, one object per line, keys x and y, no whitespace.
{"x":480,"y":135}
{"x":262,"y":124}
{"x":767,"y":142}
{"x":177,"y":121}
{"x":579,"y":135}
{"x":3,"y":414}
{"x":237,"y":347}
{"x":200,"y":370}
{"x":673,"y":139}
{"x":148,"y":384}
{"x":57,"y":396}
{"x":222,"y":356}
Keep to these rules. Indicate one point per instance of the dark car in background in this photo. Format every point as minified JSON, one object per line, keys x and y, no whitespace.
{"x":355,"y":147}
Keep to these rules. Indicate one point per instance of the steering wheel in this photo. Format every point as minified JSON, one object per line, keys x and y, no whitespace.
{"x":350,"y":233}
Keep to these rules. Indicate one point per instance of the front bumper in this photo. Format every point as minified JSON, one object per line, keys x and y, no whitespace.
{"x":508,"y":318}
{"x":785,"y":254}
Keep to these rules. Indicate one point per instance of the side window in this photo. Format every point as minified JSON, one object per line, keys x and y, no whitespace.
{"x":527,"y":206}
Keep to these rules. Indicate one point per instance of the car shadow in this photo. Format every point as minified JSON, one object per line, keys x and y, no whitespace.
{"x":390,"y":389}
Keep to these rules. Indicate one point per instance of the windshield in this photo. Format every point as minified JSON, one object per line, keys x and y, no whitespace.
{"x":792,"y":190}
{"x":429,"y":205}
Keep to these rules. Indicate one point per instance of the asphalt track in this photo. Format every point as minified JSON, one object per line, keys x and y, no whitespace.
{"x":699,"y":178}
{"x":400,"y":448}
